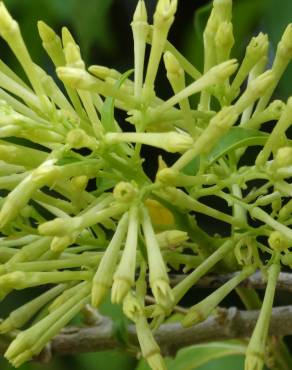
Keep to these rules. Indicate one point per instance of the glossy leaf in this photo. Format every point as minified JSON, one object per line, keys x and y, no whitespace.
{"x":193,"y":357}
{"x":237,"y":137}
{"x":107,"y":113}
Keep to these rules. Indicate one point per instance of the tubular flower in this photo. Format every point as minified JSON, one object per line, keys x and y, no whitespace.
{"x":129,"y":231}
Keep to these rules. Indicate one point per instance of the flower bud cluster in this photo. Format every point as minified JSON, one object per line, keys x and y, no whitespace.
{"x":79,"y":210}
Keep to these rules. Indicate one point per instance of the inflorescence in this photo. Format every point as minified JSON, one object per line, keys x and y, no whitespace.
{"x":83,"y":241}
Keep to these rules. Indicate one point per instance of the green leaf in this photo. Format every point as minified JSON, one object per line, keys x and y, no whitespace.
{"x":193,"y":357}
{"x":107,"y":112}
{"x":192,"y":167}
{"x":237,"y":137}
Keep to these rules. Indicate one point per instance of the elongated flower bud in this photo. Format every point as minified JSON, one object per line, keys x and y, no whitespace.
{"x":255,"y":51}
{"x":254,"y":90}
{"x":150,"y":350}
{"x":169,"y":141}
{"x":104,"y":275}
{"x":223,"y":9}
{"x":31,"y":341}
{"x":285,"y":45}
{"x":273,"y":141}
{"x":73,"y":57}
{"x":21,"y":315}
{"x":125,"y":274}
{"x":202,"y":310}
{"x":18,"y":198}
{"x":9,"y":30}
{"x":218,"y":126}
{"x":171,"y":238}
{"x":66,"y":225}
{"x":158,"y":277}
{"x":281,"y":61}
{"x":163,"y":19}
{"x":255,"y":352}
{"x":125,"y":192}
{"x":173,"y":68}
{"x":278,"y":242}
{"x":224,"y":41}
{"x":51,"y":43}
{"x":216,"y":75}
{"x":140,"y":30}
{"x":78,"y":139}
{"x":80,"y":79}
{"x":283,"y":157}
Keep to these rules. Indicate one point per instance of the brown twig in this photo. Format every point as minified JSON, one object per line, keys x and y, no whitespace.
{"x":255,"y":281}
{"x":227,"y":324}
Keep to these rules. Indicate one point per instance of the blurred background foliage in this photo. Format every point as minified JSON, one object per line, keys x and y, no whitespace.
{"x":102,"y":29}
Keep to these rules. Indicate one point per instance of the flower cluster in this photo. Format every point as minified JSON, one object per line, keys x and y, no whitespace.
{"x":83,"y":241}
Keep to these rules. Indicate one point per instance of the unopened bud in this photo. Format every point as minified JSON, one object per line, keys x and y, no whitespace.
{"x":218,"y":126}
{"x":224,"y":119}
{"x":75,"y":77}
{"x":257,"y":47}
{"x":164,"y":13}
{"x":59,"y":226}
{"x":103,"y":278}
{"x":59,"y":244}
{"x":222,"y":71}
{"x":278,"y":242}
{"x":255,"y":89}
{"x":104,"y":72}
{"x":47,"y":34}
{"x":223,"y":9}
{"x":285,"y":45}
{"x":276,"y":107}
{"x":7,"y":23}
{"x":79,"y":182}
{"x":283,"y":157}
{"x":131,"y":307}
{"x":140,"y":14}
{"x":67,"y":37}
{"x":260,"y":84}
{"x":224,"y":35}
{"x":172,"y":65}
{"x":167,"y":176}
{"x":125,"y":192}
{"x":171,"y":238}
{"x":120,"y":289}
{"x":73,"y":57}
{"x":78,"y":139}
{"x":149,"y":347}
{"x":176,"y":142}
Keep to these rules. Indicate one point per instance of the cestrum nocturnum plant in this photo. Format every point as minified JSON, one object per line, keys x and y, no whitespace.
{"x":123,"y":235}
